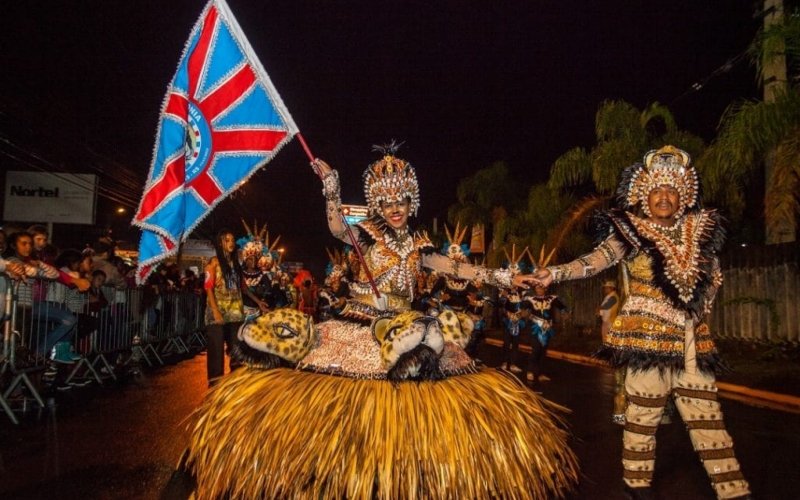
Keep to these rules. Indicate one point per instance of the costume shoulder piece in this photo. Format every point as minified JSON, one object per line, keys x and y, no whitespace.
{"x":616,"y":222}
{"x":372,"y":230}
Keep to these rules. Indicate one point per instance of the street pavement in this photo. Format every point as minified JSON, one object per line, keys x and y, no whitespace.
{"x":124,"y":441}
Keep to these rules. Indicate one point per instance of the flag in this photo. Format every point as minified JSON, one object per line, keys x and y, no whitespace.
{"x":221,"y":121}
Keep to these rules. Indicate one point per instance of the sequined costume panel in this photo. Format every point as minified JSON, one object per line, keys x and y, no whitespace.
{"x":674,"y":276}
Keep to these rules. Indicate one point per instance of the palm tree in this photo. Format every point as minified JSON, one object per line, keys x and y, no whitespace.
{"x":549,"y":220}
{"x":753,"y":133}
{"x":624,"y":133}
{"x":487,"y":197}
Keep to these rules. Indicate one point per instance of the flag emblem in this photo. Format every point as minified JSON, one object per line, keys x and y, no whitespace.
{"x":221,"y":121}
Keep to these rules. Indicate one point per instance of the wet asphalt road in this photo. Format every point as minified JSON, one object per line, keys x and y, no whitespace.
{"x":124,"y":441}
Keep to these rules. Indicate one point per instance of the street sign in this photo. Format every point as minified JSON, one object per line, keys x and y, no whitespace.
{"x":354,"y":214}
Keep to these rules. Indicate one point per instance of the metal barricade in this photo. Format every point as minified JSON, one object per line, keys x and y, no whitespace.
{"x":128,"y":326}
{"x":173,"y":324}
{"x":18,"y":361}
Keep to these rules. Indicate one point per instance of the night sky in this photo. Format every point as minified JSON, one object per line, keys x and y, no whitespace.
{"x":463,"y":83}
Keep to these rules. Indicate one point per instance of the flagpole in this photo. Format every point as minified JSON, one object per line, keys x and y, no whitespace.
{"x":349,"y":231}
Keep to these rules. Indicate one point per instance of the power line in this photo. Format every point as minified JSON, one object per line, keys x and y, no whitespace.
{"x":120,"y":192}
{"x":701,"y":84}
{"x":130,"y":180}
{"x":41,"y":169}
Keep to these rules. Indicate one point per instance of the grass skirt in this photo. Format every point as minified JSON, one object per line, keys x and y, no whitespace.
{"x":286,"y":433}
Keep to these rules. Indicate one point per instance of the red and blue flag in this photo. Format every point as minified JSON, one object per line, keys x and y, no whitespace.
{"x":221,"y":121}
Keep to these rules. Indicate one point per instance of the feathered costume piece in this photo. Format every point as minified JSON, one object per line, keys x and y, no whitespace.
{"x":292,"y":434}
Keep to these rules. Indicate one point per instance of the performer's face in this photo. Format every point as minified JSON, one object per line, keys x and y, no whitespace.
{"x":395,"y":213}
{"x":663,"y":202}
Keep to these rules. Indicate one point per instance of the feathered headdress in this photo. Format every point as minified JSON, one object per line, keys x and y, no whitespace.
{"x":269,"y":256}
{"x":454,"y":246}
{"x":514,"y":261}
{"x":543,"y":259}
{"x":252,"y":243}
{"x":337,"y":264}
{"x":390,"y":179}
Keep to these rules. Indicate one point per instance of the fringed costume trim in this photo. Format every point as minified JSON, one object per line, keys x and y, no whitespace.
{"x":292,"y":434}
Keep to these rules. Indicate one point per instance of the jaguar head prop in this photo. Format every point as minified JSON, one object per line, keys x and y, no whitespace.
{"x":456,"y":327}
{"x":280,"y":335}
{"x":410,"y":345}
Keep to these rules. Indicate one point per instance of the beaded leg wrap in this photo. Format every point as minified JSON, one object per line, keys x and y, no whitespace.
{"x":696,"y":400}
{"x":647,"y":395}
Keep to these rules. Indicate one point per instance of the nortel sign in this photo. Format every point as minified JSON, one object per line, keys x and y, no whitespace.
{"x":46,"y":197}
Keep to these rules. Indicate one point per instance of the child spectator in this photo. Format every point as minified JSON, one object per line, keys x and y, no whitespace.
{"x":95,"y":299}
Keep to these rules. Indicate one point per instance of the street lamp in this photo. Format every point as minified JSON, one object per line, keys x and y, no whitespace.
{"x":121,"y":210}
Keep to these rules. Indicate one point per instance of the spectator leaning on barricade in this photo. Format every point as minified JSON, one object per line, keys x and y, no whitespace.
{"x":102,"y":260}
{"x":43,"y":250}
{"x":116,"y":285}
{"x":55,"y":342}
{"x":76,"y":265}
{"x":8,"y":270}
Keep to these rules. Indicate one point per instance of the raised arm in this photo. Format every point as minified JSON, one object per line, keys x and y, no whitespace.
{"x":331,"y":189}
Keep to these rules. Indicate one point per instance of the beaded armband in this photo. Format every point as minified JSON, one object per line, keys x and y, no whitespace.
{"x":559,"y":273}
{"x":333,"y":201}
{"x":330,"y":187}
{"x":500,"y":278}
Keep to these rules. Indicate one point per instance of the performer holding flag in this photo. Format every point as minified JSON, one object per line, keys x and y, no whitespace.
{"x":346,"y":421}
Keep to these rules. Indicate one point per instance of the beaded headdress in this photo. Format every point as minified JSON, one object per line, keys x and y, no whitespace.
{"x":666,"y":166}
{"x":515,"y":264}
{"x":390,"y":179}
{"x":252,"y":244}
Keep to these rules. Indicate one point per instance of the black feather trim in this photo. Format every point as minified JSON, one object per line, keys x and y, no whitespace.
{"x":625,"y":179}
{"x":420,"y":363}
{"x":647,"y":360}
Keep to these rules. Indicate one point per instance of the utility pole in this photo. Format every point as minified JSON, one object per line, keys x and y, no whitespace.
{"x":775,"y":82}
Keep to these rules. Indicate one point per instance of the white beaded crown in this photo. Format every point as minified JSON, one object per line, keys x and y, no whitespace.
{"x":666,"y":166}
{"x":390,"y":179}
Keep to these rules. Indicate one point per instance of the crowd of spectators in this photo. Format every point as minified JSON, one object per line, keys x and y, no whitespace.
{"x":63,"y":295}
{"x":60,"y":293}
